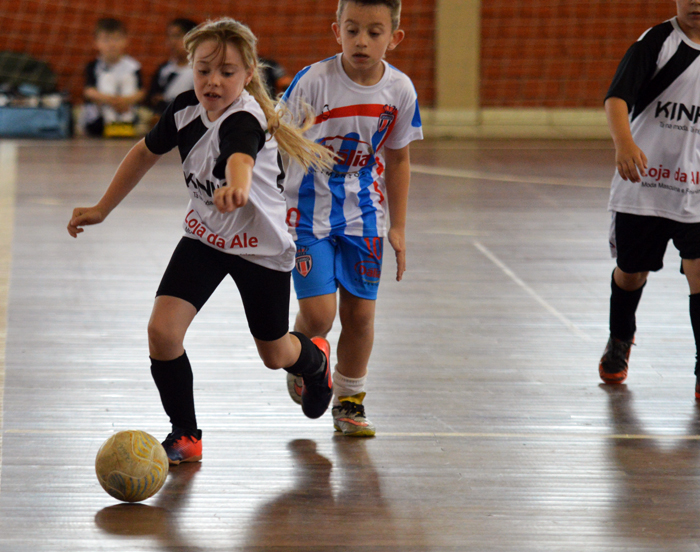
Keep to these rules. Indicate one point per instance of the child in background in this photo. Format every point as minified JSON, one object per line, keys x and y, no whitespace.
{"x":649,"y":108}
{"x":276,"y":78}
{"x":227,"y":132}
{"x":175,"y":75}
{"x":367,"y":114}
{"x":113,"y":84}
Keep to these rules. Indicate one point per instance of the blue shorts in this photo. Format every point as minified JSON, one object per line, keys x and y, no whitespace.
{"x":350,"y":261}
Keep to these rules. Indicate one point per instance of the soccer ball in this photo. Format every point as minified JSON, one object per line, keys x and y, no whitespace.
{"x":131,"y":465}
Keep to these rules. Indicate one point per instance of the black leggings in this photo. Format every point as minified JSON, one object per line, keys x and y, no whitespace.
{"x":196,"y":270}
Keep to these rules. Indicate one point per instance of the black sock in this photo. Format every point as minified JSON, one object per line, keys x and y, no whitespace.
{"x":311,"y":361}
{"x":695,"y":323}
{"x":174,"y":381}
{"x":623,"y":306}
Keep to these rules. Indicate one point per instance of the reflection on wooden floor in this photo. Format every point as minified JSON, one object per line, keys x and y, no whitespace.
{"x":494,"y":433}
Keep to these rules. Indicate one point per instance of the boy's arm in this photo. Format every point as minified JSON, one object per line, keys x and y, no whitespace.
{"x":629,"y":158}
{"x":239,"y":177}
{"x":130,"y":172}
{"x":397,"y":178}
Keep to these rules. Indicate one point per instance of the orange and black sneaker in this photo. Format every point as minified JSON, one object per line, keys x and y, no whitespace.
{"x":613,"y":363}
{"x":697,"y":388}
{"x":183,"y":445}
{"x":317,"y":391}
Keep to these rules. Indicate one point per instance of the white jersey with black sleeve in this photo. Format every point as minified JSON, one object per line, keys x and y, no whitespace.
{"x":659,"y":78}
{"x":256,"y":231}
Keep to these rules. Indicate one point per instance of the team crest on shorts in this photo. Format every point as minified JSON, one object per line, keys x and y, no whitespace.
{"x":386,"y":118}
{"x":303,"y":264}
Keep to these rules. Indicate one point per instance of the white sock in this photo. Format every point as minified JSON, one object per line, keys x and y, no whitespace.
{"x":346,"y":387}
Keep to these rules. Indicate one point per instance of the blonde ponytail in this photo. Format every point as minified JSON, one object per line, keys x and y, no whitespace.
{"x":288,"y":132}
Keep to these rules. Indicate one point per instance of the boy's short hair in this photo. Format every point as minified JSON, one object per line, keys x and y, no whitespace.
{"x":184,"y":24}
{"x":393,"y":5}
{"x":109,"y":25}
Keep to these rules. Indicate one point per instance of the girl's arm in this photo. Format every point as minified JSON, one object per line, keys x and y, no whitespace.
{"x":397,"y":179}
{"x":239,"y":177}
{"x":130,"y":172}
{"x":629,"y":158}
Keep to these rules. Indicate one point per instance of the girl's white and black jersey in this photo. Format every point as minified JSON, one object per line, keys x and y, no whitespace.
{"x":659,"y":78}
{"x":257,"y":230}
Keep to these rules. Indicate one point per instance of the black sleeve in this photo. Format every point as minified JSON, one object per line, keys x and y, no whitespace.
{"x":139,"y":78}
{"x":163,"y":137}
{"x":90,"y":76}
{"x":638,"y":65}
{"x":239,"y":133}
{"x":156,"y":89}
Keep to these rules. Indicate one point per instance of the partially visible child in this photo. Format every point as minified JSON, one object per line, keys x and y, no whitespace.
{"x":655,"y":193}
{"x":367,"y":114}
{"x":113,"y":83}
{"x":227,"y":132}
{"x":174,"y":76}
{"x":276,"y":78}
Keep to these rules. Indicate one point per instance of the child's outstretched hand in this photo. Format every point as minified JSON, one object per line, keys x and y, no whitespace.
{"x":630,"y":161}
{"x":228,"y":199}
{"x":84,"y":216}
{"x":397,"y":239}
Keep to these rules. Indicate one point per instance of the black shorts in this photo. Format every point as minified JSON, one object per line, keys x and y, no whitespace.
{"x":196,"y":270}
{"x":639,"y":242}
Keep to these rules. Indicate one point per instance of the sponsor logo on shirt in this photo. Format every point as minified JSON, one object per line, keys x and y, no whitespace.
{"x":196,"y":227}
{"x":350,"y":151}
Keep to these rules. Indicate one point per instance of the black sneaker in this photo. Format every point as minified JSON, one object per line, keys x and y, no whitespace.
{"x":183,"y":445}
{"x":317,"y":392}
{"x":613,"y":364}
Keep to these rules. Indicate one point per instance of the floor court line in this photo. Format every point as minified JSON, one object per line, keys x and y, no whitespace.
{"x":437,"y":434}
{"x":8,"y":176}
{"x":499,"y":177}
{"x":531,"y":292}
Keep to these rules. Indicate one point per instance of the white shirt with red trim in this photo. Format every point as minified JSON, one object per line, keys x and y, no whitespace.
{"x":356,"y":122}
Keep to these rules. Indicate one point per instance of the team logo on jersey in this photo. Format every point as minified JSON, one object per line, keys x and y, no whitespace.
{"x":303,"y":262}
{"x":386,"y":118}
{"x":326,"y":113}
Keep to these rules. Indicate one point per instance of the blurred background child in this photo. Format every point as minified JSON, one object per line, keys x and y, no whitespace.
{"x":113,"y":83}
{"x":173,"y":76}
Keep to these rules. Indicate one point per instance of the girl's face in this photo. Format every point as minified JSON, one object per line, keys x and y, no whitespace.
{"x":365,"y":33}
{"x":219,"y":77}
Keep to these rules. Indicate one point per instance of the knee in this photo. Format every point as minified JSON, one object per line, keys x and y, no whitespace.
{"x":630,"y":281}
{"x":316,"y":322}
{"x":162,"y":340}
{"x":360,"y":320}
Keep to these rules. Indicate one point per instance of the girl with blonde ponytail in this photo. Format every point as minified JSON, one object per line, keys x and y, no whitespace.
{"x":227,"y":132}
{"x":288,"y":132}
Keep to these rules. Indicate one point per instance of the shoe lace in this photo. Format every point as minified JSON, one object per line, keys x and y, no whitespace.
{"x":176,"y":435}
{"x":619,"y":349}
{"x":353,"y":408}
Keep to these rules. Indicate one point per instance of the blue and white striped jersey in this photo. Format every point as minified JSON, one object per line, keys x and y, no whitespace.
{"x":356,"y":122}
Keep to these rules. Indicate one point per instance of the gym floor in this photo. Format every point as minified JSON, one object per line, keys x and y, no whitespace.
{"x":494,"y":432}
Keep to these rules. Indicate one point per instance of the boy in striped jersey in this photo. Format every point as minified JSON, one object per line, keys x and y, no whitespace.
{"x":652,"y":108}
{"x":367,"y":114}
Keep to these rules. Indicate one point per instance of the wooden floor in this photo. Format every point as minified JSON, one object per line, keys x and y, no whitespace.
{"x":494,"y":433}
